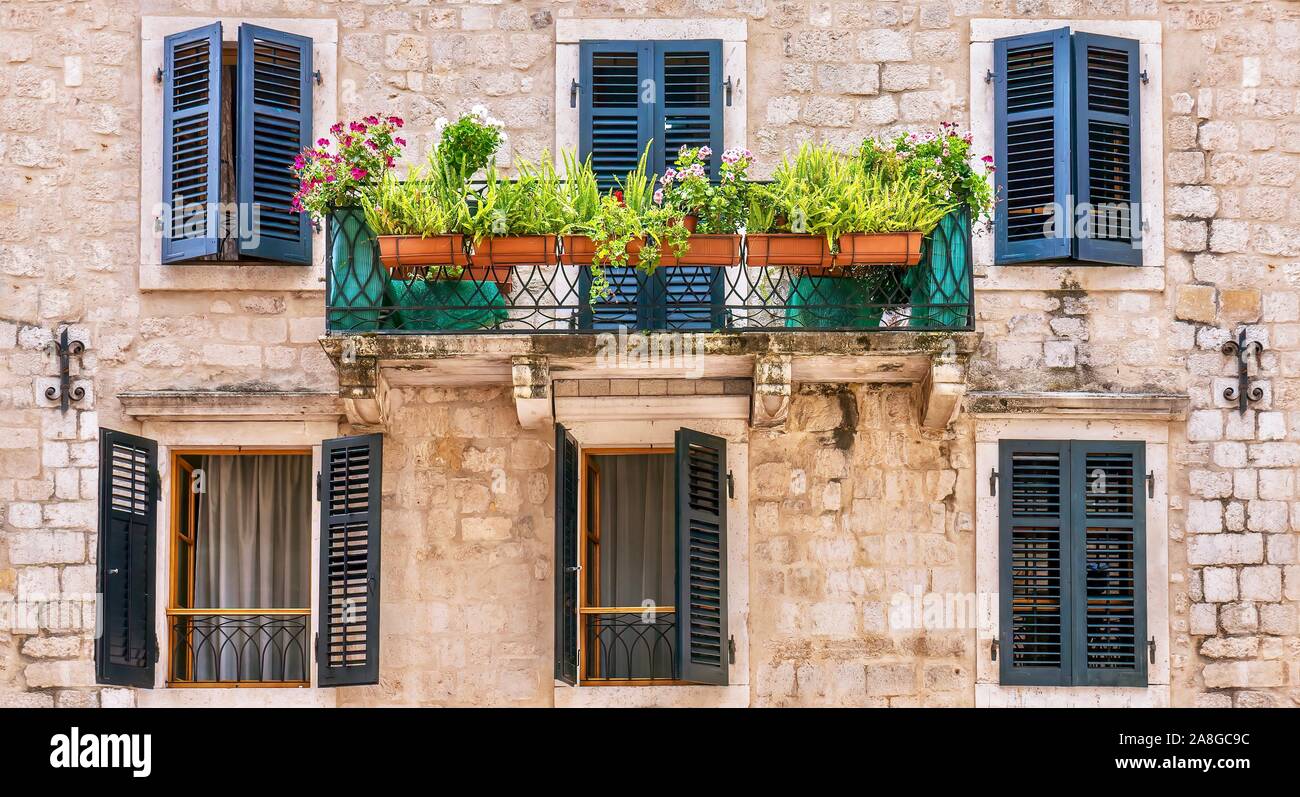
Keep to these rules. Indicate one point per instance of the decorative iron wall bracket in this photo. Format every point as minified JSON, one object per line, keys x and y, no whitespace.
{"x":65,"y":392}
{"x":1242,"y":392}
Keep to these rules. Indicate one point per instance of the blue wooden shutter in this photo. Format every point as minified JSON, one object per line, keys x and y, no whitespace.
{"x":125,"y":646}
{"x":688,"y":110}
{"x":350,"y":490}
{"x":703,"y":646}
{"x":274,"y":120}
{"x":615,"y":120}
{"x":1108,"y":169}
{"x":1032,"y":95}
{"x":566,"y":556}
{"x":191,"y":143}
{"x":1108,"y":516}
{"x":1034,"y":554}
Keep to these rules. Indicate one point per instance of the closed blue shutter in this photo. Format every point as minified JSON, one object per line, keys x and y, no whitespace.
{"x":191,"y":143}
{"x":688,"y":110}
{"x":1107,"y":150}
{"x":1032,"y":94}
{"x":1108,"y":518}
{"x":615,"y":120}
{"x":274,"y":121}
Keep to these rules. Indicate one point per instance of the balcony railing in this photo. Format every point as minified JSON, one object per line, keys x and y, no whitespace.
{"x":363,"y":297}
{"x":239,"y":647}
{"x":629,"y":644}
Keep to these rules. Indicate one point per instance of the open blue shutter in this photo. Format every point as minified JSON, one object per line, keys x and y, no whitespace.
{"x":1108,"y":171}
{"x":1032,"y":95}
{"x":350,"y":490}
{"x":274,"y":113}
{"x":1034,"y":555}
{"x":125,"y":646}
{"x":703,"y":645}
{"x":615,"y":121}
{"x":566,"y":556}
{"x":1109,"y":563}
{"x":191,"y":142}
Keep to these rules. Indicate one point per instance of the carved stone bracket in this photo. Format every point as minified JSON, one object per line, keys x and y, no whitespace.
{"x":941,"y":392}
{"x":364,"y":392}
{"x":532,"y":391}
{"x":771,"y":403}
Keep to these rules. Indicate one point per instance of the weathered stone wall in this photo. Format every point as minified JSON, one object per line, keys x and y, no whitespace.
{"x":70,"y":120}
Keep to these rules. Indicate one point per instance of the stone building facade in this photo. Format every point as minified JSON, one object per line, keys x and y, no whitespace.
{"x":851,"y":501}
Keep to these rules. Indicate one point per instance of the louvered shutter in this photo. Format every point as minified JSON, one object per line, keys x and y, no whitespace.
{"x":125,"y":645}
{"x":191,"y":143}
{"x":615,"y":119}
{"x":1032,"y":94}
{"x":274,"y":112}
{"x":347,"y":640}
{"x":566,"y":556}
{"x":1109,"y":563}
{"x":702,"y":640}
{"x":688,"y":112}
{"x":1034,"y":552}
{"x":1108,"y":173}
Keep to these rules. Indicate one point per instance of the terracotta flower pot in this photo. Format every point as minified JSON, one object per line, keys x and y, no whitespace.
{"x":413,"y":251}
{"x":707,"y":250}
{"x":516,"y":250}
{"x":579,"y":250}
{"x":786,"y":249}
{"x":885,"y":248}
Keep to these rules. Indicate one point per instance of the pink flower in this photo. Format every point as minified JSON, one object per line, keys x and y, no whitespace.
{"x":705,"y":152}
{"x":371,"y":120}
{"x":299,"y":163}
{"x":357,"y":127}
{"x":323,"y":142}
{"x":358,"y":173}
{"x":659,"y":197}
{"x":987,"y":158}
{"x":399,"y":141}
{"x":336,"y":128}
{"x":396,"y":121}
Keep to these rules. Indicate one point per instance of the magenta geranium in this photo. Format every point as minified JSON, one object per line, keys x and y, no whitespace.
{"x":365,"y":150}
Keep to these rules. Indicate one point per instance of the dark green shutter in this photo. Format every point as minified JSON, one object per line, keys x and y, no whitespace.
{"x":1034,"y":551}
{"x":274,"y":121}
{"x":702,"y":640}
{"x":191,"y":143}
{"x":566,"y":556}
{"x":125,"y":645}
{"x":1032,"y":94}
{"x":1107,"y":165}
{"x":1108,"y":519}
{"x":350,"y":491}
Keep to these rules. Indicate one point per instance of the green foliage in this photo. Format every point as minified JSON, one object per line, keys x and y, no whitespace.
{"x":470,"y":143}
{"x":719,"y":208}
{"x":945,"y":157}
{"x":428,"y":202}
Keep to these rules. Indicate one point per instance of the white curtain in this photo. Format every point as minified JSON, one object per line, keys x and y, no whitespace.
{"x":253,"y":552}
{"x":638,"y":561}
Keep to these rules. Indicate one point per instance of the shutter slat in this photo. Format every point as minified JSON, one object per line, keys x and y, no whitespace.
{"x":350,"y":561}
{"x":701,"y":557}
{"x":191,"y":143}
{"x":275,"y":91}
{"x":125,"y":647}
{"x":566,"y":556}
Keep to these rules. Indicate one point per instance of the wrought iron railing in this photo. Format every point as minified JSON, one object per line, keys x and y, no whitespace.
{"x":364,"y":297}
{"x":239,"y":647}
{"x":629,"y":644}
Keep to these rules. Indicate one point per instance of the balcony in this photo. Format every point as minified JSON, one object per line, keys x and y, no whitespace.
{"x":625,"y":646}
{"x":238,"y":647}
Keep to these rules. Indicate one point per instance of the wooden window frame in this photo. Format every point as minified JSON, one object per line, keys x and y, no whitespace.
{"x":180,"y":486}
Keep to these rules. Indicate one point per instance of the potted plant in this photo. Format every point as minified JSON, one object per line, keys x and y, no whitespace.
{"x":517,"y":222}
{"x":334,"y":185}
{"x":791,"y":222}
{"x":713,"y":213}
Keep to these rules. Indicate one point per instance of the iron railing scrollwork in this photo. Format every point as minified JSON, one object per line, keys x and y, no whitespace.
{"x":239,"y":647}
{"x":629,"y":644}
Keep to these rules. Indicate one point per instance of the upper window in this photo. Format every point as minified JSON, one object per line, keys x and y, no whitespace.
{"x":1072,"y":529}
{"x":1067,"y":150}
{"x":234,"y":118}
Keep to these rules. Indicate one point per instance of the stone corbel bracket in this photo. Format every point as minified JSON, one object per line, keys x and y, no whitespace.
{"x":531,"y":376}
{"x":770,"y":406}
{"x":940,"y":394}
{"x":362,"y":387}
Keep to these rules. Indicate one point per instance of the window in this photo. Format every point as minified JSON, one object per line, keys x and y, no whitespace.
{"x":234,"y":117}
{"x":238,"y":594}
{"x":1067,"y":148}
{"x":663,"y":95}
{"x":641,"y":563}
{"x":1072,"y":527}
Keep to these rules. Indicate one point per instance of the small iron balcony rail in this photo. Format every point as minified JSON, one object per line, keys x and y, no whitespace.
{"x":239,"y":647}
{"x":629,"y":644}
{"x":364,"y":297}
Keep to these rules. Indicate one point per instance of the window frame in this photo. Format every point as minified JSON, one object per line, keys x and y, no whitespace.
{"x":1051,"y":274}
{"x":232,"y":275}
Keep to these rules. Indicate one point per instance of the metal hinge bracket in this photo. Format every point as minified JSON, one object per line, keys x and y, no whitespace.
{"x":731,"y":650}
{"x":1151,"y":650}
{"x":1151,"y":484}
{"x":727,"y":86}
{"x":320,"y":485}
{"x":574,"y":88}
{"x":993,"y":650}
{"x":993,"y":482}
{"x":731,"y":485}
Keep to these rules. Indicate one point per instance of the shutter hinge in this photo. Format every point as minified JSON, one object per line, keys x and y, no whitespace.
{"x":1151,"y":484}
{"x":157,"y":485}
{"x":727,"y":86}
{"x":574,"y":88}
{"x":317,"y":76}
{"x":993,"y":482}
{"x":731,"y":650}
{"x":158,"y":75}
{"x":1144,"y":77}
{"x":993,"y":650}
{"x":731,"y":485}
{"x":989,"y":76}
{"x":319,"y":486}
{"x":1151,"y":650}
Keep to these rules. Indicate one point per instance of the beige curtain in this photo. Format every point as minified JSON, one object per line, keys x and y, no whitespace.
{"x":253,"y":552}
